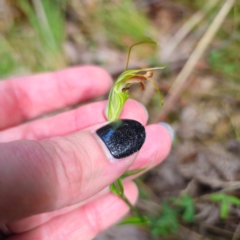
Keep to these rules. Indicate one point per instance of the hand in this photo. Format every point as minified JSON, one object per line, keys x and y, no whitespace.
{"x":55,"y":170}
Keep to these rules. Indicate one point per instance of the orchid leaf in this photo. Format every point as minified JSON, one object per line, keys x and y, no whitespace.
{"x":134,"y":220}
{"x":133,"y":172}
{"x":117,"y":188}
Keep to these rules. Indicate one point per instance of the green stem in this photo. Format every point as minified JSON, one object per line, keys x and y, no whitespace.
{"x":117,"y":188}
{"x":133,"y":209}
{"x":129,"y":51}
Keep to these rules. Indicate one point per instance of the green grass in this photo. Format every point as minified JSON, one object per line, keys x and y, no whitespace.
{"x":35,"y":44}
{"x":123,"y":23}
{"x":225,"y":60}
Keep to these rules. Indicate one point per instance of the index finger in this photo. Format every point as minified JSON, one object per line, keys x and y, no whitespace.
{"x":28,"y":97}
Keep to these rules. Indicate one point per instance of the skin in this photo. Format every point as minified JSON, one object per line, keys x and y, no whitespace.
{"x":54,"y":174}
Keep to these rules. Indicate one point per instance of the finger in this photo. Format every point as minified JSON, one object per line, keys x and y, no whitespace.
{"x":150,"y":155}
{"x":26,"y":224}
{"x":155,"y":149}
{"x":85,"y":222}
{"x":27,"y":97}
{"x":47,"y":175}
{"x":71,"y":121}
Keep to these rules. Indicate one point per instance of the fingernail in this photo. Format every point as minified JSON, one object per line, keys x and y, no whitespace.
{"x":169,"y":129}
{"x":122,"y":137}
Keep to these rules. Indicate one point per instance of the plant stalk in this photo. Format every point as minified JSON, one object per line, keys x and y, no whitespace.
{"x":132,"y":208}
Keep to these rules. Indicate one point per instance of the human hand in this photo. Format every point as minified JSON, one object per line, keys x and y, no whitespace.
{"x":55,"y":171}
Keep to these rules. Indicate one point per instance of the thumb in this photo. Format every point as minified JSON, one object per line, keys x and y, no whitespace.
{"x":42,"y":176}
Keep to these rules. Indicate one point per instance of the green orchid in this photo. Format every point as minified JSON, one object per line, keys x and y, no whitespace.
{"x":120,"y":91}
{"x":117,"y":98}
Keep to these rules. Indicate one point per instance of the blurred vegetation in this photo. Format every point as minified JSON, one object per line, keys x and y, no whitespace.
{"x":33,"y":38}
{"x":33,"y":33}
{"x":225,"y":59}
{"x":44,"y":35}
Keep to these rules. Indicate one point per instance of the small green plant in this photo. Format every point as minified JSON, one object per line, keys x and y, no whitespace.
{"x":185,"y":207}
{"x":117,"y":98}
{"x":119,"y":93}
{"x":166,"y":221}
{"x":226,"y":201}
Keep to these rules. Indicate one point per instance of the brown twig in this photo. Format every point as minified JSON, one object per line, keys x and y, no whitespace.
{"x":216,"y":230}
{"x":236,"y":235}
{"x":187,"y":28}
{"x":183,"y":78}
{"x":186,"y":233}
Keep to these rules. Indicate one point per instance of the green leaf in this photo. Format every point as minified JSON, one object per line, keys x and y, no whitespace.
{"x":224,"y":209}
{"x":47,"y":19}
{"x":188,"y":215}
{"x":134,"y":220}
{"x":166,"y":223}
{"x":217,"y":197}
{"x":233,"y":200}
{"x":133,"y":172}
{"x":117,"y":188}
{"x":185,"y":202}
{"x":226,"y":201}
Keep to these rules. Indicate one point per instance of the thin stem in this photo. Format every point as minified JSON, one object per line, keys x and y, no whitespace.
{"x":133,"y":209}
{"x":117,"y":189}
{"x":235,"y":15}
{"x":130,"y":49}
